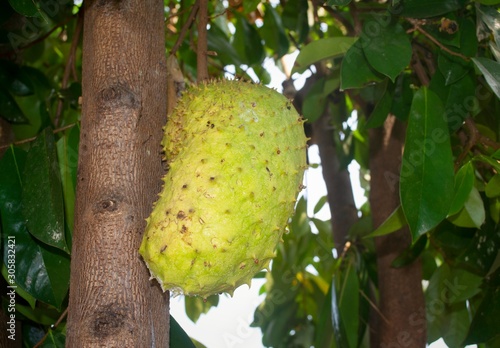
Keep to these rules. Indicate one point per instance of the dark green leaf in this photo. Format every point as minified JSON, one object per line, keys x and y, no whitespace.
{"x":461,"y":102}
{"x":383,"y":107}
{"x":247,"y":41}
{"x":27,"y":8}
{"x":402,"y":97}
{"x":219,"y":43}
{"x":427,"y":173}
{"x":250,"y":5}
{"x":338,"y":2}
{"x":426,"y":8}
{"x":464,"y":181}
{"x":491,"y":72}
{"x":9,"y":110}
{"x":196,"y":306}
{"x":67,"y":154}
{"x":388,"y":52}
{"x":318,"y":50}
{"x":179,"y":337}
{"x":411,"y":253}
{"x":21,"y":84}
{"x":295,"y":18}
{"x":42,"y":192}
{"x":483,"y":327}
{"x":451,"y":67}
{"x":273,"y":33}
{"x":56,"y":338}
{"x":355,"y":71}
{"x":42,"y":271}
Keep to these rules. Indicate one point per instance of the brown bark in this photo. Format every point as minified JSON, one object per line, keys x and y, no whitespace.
{"x":338,"y":182}
{"x":401,"y":315}
{"x":112,"y":302}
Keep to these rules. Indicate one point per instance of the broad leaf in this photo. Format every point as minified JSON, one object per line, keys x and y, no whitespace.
{"x":179,"y":337}
{"x":40,"y":270}
{"x":196,"y":306}
{"x":394,"y":222}
{"x":491,"y":72}
{"x":273,"y":33}
{"x":411,"y":253}
{"x":388,"y":52}
{"x":27,"y":8}
{"x":472,"y":213}
{"x":426,"y":8}
{"x":426,"y":185}
{"x":322,"y":49}
{"x":42,"y":192}
{"x":355,"y":71}
{"x":9,"y":110}
{"x":247,"y":41}
{"x":464,"y":182}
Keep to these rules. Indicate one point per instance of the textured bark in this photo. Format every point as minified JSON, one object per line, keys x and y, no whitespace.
{"x":338,"y":182}
{"x":401,"y":301}
{"x":112,"y":302}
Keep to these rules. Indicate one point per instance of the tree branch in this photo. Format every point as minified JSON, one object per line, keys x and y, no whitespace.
{"x":28,"y":140}
{"x":201,"y":49}
{"x":185,"y":27}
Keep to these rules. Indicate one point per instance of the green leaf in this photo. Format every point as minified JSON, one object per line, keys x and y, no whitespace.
{"x":394,"y":222}
{"x":355,"y":71}
{"x":338,"y":2}
{"x":247,"y":41}
{"x":40,"y":270}
{"x":295,"y":18}
{"x":42,"y":192}
{"x":411,"y":253}
{"x":426,"y":179}
{"x":382,"y":108}
{"x":27,"y":8}
{"x":316,"y":98}
{"x":390,"y":51}
{"x":219,"y":43}
{"x":55,"y":339}
{"x":492,"y":188}
{"x":482,"y":327}
{"x":273,"y":33}
{"x":491,"y":72}
{"x":178,"y":337}
{"x":321,"y":49}
{"x":461,"y":101}
{"x":320,"y":204}
{"x":9,"y":110}
{"x":472,"y":214}
{"x":196,"y":306}
{"x":67,"y":154}
{"x":402,"y":97}
{"x":426,"y":8}
{"x":348,"y":303}
{"x":464,"y":182}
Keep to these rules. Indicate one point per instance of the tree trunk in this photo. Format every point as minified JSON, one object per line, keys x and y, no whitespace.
{"x":401,"y":316}
{"x":338,"y":182}
{"x":112,"y":303}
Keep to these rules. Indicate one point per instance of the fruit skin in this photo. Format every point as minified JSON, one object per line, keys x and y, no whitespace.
{"x":236,"y":155}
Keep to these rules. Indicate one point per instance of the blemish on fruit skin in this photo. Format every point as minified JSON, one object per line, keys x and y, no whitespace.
{"x":181,"y":215}
{"x":163,"y":248}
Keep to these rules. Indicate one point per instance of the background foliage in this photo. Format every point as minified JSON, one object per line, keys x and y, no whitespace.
{"x":432,"y":64}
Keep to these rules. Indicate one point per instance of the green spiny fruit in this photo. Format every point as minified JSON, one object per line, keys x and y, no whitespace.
{"x":236,"y":156}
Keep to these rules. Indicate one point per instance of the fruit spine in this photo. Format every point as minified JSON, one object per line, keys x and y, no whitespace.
{"x":236,"y":156}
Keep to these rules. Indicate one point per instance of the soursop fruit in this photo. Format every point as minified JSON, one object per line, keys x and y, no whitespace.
{"x":236,"y":156}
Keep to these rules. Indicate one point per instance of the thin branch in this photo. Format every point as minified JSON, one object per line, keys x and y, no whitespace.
{"x":70,"y":65}
{"x":348,"y":26}
{"x":474,"y":138}
{"x":186,"y":27}
{"x":417,"y":27}
{"x":374,"y":306}
{"x":28,"y":140}
{"x":63,"y":315}
{"x":419,"y":68}
{"x":202,"y":46}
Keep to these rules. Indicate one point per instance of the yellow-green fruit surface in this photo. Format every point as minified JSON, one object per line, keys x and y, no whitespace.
{"x":236,"y":155}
